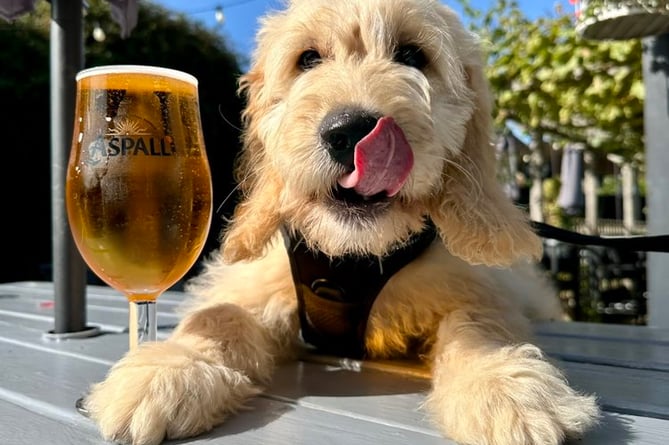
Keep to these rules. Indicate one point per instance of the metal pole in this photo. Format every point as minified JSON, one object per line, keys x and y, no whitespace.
{"x":655,"y":63}
{"x":69,"y":270}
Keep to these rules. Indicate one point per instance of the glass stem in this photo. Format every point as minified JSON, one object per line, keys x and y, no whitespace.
{"x":142,"y":322}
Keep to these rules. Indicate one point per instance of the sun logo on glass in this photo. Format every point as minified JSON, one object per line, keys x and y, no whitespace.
{"x":128,"y":127}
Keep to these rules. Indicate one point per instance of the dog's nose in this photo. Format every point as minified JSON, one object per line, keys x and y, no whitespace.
{"x":341,"y":130}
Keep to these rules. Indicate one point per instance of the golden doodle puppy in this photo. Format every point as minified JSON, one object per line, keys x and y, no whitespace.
{"x":371,"y":225}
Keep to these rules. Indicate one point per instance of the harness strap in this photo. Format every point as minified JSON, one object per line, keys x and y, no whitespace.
{"x":335,"y":295}
{"x":655,"y":243}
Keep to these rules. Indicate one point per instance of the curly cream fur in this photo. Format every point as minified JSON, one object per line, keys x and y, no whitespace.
{"x":462,"y":306}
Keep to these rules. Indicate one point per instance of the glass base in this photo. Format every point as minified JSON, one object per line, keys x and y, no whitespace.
{"x":142,"y":323}
{"x":89,"y":331}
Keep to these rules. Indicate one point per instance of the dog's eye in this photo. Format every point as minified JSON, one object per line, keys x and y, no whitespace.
{"x":410,"y":55}
{"x":309,"y":59}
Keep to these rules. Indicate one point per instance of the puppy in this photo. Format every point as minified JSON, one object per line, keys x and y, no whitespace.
{"x":371,"y":225}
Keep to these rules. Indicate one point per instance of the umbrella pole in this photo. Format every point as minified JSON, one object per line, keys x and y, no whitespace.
{"x":69,"y":270}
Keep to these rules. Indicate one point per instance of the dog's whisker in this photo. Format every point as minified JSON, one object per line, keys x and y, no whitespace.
{"x":475,"y":185}
{"x":228,"y":197}
{"x":226,"y":120}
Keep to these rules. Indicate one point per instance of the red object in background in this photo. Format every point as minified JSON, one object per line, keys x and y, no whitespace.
{"x":48,"y":304}
{"x":577,"y":7}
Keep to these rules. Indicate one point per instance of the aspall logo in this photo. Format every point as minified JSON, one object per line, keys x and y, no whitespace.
{"x":130,"y":138}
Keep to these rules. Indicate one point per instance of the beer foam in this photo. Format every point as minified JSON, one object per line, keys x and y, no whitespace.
{"x":138,"y":69}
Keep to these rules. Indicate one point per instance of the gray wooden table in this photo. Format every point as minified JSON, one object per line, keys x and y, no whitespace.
{"x":319,"y":400}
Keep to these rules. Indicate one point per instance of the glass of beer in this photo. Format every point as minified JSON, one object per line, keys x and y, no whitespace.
{"x":138,"y":185}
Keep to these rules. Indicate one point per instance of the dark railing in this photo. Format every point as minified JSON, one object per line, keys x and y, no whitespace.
{"x":598,"y":283}
{"x":608,"y":227}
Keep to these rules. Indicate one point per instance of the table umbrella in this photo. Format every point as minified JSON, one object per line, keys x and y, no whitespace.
{"x":66,"y":59}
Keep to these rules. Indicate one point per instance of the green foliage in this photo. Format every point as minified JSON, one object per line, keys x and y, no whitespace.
{"x":160,"y":38}
{"x":553,"y":213}
{"x":547,"y":78}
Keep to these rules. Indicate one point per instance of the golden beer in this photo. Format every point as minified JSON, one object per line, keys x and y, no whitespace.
{"x":138,"y":187}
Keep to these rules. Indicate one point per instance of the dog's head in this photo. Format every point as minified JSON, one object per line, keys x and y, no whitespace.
{"x":365,"y":118}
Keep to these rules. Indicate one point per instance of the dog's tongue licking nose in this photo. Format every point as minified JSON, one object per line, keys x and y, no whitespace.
{"x":383,"y":160}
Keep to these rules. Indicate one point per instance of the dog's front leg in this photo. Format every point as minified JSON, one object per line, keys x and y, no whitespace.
{"x":213,"y":362}
{"x":491,"y":389}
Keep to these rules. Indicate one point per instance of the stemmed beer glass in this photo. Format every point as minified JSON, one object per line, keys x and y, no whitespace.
{"x":138,"y":185}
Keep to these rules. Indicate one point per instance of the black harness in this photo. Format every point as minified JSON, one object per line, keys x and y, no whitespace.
{"x":335,"y":295}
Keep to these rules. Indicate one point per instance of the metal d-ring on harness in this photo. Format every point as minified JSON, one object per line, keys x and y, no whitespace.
{"x":335,"y":295}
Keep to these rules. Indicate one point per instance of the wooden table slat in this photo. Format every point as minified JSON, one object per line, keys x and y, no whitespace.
{"x":650,"y":356}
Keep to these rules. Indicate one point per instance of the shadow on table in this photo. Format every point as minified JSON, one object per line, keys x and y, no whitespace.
{"x":260,"y":413}
{"x":316,"y":388}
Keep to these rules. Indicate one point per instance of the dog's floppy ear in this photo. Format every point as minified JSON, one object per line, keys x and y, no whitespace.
{"x":476,"y":220}
{"x":256,"y":218}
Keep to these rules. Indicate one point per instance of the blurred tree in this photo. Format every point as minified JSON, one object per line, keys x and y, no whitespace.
{"x":160,"y":38}
{"x":550,"y":81}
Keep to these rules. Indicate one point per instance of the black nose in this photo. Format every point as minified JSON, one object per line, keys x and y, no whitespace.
{"x":342,"y":129}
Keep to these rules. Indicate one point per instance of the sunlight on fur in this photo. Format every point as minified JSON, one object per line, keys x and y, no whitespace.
{"x":367,"y":122}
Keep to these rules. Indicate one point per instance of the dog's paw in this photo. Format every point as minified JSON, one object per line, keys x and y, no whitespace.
{"x":510,"y":397}
{"x":165,"y":391}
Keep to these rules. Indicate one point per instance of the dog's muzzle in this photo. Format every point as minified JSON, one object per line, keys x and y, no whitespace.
{"x":341,"y":131}
{"x":373,"y":149}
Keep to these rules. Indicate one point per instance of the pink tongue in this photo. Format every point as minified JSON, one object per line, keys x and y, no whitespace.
{"x":383,"y":160}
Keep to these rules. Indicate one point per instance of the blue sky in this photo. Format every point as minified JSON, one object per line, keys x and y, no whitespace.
{"x":241,"y":16}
